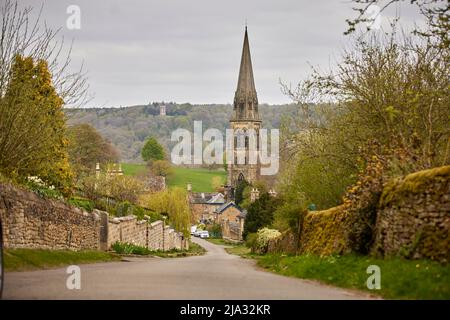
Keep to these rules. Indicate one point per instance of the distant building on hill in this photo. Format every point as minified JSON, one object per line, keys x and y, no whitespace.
{"x":162,"y":110}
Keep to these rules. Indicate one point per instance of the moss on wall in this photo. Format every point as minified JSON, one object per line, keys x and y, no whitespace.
{"x":413,"y":221}
{"x":325,"y":232}
{"x":400,"y":188}
{"x":414,"y":216}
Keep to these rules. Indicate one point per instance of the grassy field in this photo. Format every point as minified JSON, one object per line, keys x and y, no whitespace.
{"x":31,"y":259}
{"x":133,"y":169}
{"x":400,"y":278}
{"x":200,"y":178}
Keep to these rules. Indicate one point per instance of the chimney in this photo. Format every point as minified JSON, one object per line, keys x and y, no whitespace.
{"x":254,"y":195}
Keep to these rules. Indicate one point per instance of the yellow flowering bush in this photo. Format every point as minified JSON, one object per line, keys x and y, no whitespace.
{"x":263,"y":237}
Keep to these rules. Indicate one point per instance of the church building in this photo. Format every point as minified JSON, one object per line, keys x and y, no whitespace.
{"x":244,"y":118}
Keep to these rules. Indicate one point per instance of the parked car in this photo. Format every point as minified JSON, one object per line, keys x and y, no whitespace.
{"x":193,"y":230}
{"x":204,"y":234}
{"x":197,"y":233}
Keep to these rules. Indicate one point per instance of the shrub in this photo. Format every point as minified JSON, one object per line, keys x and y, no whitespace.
{"x":36,"y":185}
{"x":215,"y":231}
{"x":124,"y":209}
{"x":263,"y":237}
{"x":201,"y":226}
{"x":173,"y":203}
{"x":120,"y":188}
{"x":250,"y":241}
{"x":129,"y":248}
{"x":82,"y":203}
{"x":260,"y":213}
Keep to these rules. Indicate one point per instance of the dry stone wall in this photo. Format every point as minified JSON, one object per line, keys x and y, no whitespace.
{"x":154,"y":236}
{"x":413,"y":221}
{"x":414,"y":216}
{"x":29,"y":221}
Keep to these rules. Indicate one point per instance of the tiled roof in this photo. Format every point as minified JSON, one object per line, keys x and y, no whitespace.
{"x":218,"y":199}
{"x":201,"y":197}
{"x":223,"y":207}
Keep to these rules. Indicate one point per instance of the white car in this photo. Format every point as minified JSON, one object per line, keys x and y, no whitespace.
{"x":197,"y":233}
{"x":203,"y":234}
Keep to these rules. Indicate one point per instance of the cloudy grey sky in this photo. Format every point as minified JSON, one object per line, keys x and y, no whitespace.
{"x":189,"y":51}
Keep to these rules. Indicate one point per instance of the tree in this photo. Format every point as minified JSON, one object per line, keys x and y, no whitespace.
{"x":172,"y":203}
{"x":161,"y":168}
{"x":259,"y":185}
{"x":87,"y":147}
{"x":239,"y":191}
{"x":121,"y":188}
{"x":32,"y":126}
{"x":34,"y":85}
{"x":389,"y":93}
{"x":435,"y":12}
{"x":23,"y":33}
{"x":152,"y":150}
{"x":260,"y":214}
{"x":216,"y":183}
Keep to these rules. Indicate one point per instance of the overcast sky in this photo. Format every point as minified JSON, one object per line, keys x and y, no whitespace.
{"x":136,"y":52}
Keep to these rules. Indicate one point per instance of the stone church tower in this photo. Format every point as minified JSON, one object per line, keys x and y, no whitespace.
{"x":245,"y":116}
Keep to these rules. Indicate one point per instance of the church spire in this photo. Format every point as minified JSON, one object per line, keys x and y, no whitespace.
{"x":245,"y":99}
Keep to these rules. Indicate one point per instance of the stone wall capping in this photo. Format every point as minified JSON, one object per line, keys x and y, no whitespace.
{"x":156,"y":223}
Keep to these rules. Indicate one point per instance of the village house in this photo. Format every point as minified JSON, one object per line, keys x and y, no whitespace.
{"x":231,"y":219}
{"x":203,"y":205}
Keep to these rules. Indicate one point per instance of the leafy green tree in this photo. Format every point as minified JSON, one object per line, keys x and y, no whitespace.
{"x":121,"y":188}
{"x":239,"y":191}
{"x":161,"y":168}
{"x":389,"y":93}
{"x":172,"y":203}
{"x":33,"y":126}
{"x":260,"y":214}
{"x":152,"y":150}
{"x":87,"y":147}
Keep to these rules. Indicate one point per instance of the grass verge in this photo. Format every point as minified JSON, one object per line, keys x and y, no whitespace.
{"x":400,"y":278}
{"x":232,"y":247}
{"x":128,"y":249}
{"x":32,"y":259}
{"x":239,"y":250}
{"x":220,"y":241}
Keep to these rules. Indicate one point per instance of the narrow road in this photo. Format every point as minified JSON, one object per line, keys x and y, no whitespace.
{"x":216,"y":275}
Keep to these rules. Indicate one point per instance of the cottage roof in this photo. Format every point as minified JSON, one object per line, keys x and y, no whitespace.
{"x":223,"y":207}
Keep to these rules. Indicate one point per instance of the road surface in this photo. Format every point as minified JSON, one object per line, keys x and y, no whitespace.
{"x":216,"y":275}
